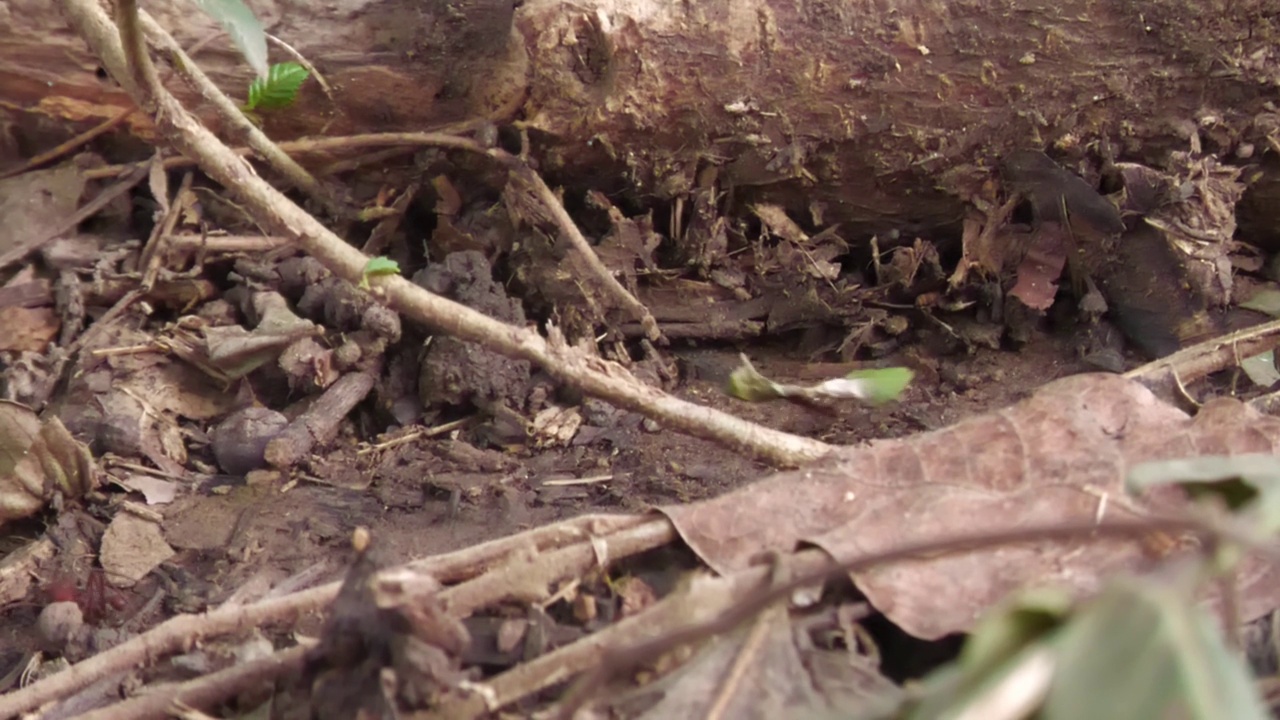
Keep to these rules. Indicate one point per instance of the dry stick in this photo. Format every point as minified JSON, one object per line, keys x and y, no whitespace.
{"x":703,"y":600}
{"x":152,"y":253}
{"x":70,"y":145}
{"x":624,"y":659}
{"x":399,"y":142}
{"x":319,"y":424}
{"x":170,"y":636}
{"x":579,"y":243}
{"x":533,"y":574}
{"x":1164,"y":376}
{"x":593,"y":375}
{"x":203,"y":692}
{"x":184,"y":631}
{"x":236,"y":121}
{"x":228,"y":243}
{"x":90,"y":209}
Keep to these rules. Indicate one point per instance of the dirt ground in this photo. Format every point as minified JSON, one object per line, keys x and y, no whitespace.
{"x":431,"y":496}
{"x":255,"y":410}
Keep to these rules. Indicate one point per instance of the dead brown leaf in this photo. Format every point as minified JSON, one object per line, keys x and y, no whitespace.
{"x":132,"y":547}
{"x":1059,"y":456}
{"x":36,"y":203}
{"x":1041,"y":268}
{"x":28,"y":329}
{"x":755,"y":672}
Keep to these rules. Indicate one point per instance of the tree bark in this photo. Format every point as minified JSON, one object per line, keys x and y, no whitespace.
{"x":877,"y":115}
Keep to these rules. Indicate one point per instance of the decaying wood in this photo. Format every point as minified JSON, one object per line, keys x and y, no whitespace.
{"x":319,"y":425}
{"x":863,"y":114}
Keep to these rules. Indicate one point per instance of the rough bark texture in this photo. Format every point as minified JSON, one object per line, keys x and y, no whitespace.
{"x":879,"y":115}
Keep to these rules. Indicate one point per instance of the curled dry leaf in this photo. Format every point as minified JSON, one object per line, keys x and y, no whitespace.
{"x":132,"y":546}
{"x":38,"y":459}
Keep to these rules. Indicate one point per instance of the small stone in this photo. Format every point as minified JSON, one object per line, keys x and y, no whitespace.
{"x":59,"y":622}
{"x":240,"y":441}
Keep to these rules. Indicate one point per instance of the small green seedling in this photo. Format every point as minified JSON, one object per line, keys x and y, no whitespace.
{"x":279,"y":89}
{"x":378,"y":266}
{"x":874,"y":386}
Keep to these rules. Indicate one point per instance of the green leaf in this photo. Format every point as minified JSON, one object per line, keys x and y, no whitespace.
{"x":1142,"y":650}
{"x":1009,"y":645}
{"x":244,"y":28}
{"x":1248,"y":484}
{"x":746,"y":383}
{"x":1265,"y":301}
{"x":378,"y":266}
{"x":874,"y":386}
{"x":1020,"y":622}
{"x":1261,"y":369}
{"x":881,"y":385}
{"x":278,"y":89}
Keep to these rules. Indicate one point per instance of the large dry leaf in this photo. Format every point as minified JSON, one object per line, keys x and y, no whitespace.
{"x":1048,"y":460}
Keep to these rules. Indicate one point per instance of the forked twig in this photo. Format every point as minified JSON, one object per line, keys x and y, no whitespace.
{"x":594,"y":376}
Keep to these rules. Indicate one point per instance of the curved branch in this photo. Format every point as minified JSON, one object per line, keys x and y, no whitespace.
{"x":593,"y":375}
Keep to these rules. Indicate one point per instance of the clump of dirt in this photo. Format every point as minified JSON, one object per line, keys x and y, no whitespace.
{"x":460,"y":373}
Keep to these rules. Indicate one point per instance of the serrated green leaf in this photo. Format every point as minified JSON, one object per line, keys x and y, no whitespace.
{"x":1142,"y":650}
{"x":883,"y":384}
{"x":378,"y":266}
{"x":279,"y":89}
{"x":244,"y":28}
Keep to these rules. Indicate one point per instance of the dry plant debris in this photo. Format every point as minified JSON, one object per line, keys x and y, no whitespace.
{"x":211,"y":372}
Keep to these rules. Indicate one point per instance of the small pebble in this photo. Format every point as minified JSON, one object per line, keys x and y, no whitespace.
{"x":240,"y":441}
{"x":59,"y":622}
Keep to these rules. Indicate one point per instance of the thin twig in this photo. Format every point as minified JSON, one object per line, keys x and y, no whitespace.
{"x":90,"y":209}
{"x":204,"y":692}
{"x":1168,"y":375}
{"x":153,"y":252}
{"x":579,"y":243}
{"x":305,"y":63}
{"x":236,"y":121}
{"x":184,"y":631}
{"x":83,"y":138}
{"x":572,"y":366}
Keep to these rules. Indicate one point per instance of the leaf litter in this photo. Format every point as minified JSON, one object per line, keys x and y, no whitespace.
{"x":317,"y":350}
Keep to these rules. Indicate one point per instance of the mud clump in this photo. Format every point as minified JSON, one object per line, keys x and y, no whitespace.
{"x":460,"y":373}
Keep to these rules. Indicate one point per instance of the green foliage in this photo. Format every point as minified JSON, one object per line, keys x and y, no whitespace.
{"x":278,"y":89}
{"x":1005,"y":642}
{"x":378,"y":266}
{"x":881,"y":385}
{"x":244,"y":28}
{"x":873,"y":386}
{"x":1248,"y":484}
{"x":1266,"y":301}
{"x":1143,"y":649}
